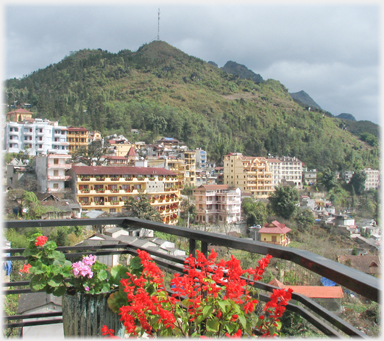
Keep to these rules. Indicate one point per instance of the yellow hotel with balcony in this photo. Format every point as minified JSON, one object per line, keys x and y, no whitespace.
{"x":251,"y":174}
{"x":107,"y":188}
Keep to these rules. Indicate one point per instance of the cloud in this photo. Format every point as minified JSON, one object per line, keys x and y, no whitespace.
{"x":329,"y":51}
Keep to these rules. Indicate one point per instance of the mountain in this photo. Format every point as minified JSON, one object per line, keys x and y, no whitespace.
{"x":305,"y":99}
{"x":162,"y":91}
{"x":242,"y":71}
{"x":346,"y":117}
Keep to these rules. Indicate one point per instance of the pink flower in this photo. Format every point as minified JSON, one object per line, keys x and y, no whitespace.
{"x":86,"y":288}
{"x":80,"y":269}
{"x":89,"y":260}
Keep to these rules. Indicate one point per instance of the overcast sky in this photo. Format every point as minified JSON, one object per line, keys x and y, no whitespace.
{"x":329,"y":51}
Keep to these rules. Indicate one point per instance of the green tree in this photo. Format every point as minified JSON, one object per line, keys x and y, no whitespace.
{"x":329,"y":179}
{"x":92,"y":154}
{"x":358,"y":182}
{"x":255,"y":212}
{"x":304,"y":219}
{"x":284,"y":201}
{"x":140,"y":207}
{"x":338,"y":196}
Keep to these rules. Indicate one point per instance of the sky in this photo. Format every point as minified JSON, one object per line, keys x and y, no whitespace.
{"x":329,"y":50}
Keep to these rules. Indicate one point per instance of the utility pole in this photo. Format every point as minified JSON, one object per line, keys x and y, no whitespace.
{"x":158,"y":24}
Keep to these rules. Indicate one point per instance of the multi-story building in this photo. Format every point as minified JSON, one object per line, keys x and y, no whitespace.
{"x":275,"y":168}
{"x":51,"y":172}
{"x":107,"y":188}
{"x":37,"y":136}
{"x":77,"y":137}
{"x":190,"y":168}
{"x":218,"y":204}
{"x":347,"y":176}
{"x":372,"y":180}
{"x":309,"y":176}
{"x":288,"y":169}
{"x":201,"y":159}
{"x":250,"y":174}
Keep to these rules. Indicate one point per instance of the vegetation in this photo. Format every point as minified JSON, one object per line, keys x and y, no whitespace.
{"x":284,"y":201}
{"x":141,"y":208}
{"x":164,"y":92}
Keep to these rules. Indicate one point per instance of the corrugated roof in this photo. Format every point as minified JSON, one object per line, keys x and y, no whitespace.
{"x":312,"y":291}
{"x":274,"y":227}
{"x":120,"y":170}
{"x":211,"y":187}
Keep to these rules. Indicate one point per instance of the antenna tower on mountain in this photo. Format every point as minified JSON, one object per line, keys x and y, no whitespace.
{"x":158,"y":25}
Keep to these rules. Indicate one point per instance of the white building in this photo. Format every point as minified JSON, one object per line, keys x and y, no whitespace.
{"x":38,"y":136}
{"x":51,"y":172}
{"x":218,"y":203}
{"x":309,"y":176}
{"x":286,"y":168}
{"x":201,"y":159}
{"x":347,"y":176}
{"x":372,"y":180}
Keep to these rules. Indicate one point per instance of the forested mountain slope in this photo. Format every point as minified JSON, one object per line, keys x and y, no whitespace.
{"x":164,"y":92}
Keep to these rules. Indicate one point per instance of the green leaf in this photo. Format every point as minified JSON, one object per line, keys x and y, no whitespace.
{"x":55,"y":281}
{"x":59,"y":291}
{"x":38,"y":282}
{"x":106,"y":287}
{"x":102,"y":275}
{"x":213,"y":325}
{"x":243,"y":321}
{"x":231,"y":327}
{"x":207,"y":310}
{"x":135,"y":263}
{"x":223,"y":305}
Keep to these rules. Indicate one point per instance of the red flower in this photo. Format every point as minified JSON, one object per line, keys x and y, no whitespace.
{"x":41,"y":240}
{"x":26,"y":268}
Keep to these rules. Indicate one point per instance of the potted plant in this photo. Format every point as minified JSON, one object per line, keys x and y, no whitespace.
{"x":210,"y":300}
{"x":85,"y":286}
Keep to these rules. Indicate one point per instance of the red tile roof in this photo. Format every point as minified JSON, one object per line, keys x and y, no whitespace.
{"x":20,"y":111}
{"x":116,"y":170}
{"x":132,"y":152}
{"x":370,"y":264}
{"x":275,"y":227}
{"x":77,"y":129}
{"x":312,"y":291}
{"x":115,"y":157}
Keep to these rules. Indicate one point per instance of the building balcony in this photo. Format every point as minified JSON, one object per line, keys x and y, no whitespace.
{"x":59,"y":165}
{"x":319,"y":317}
{"x":59,"y":177}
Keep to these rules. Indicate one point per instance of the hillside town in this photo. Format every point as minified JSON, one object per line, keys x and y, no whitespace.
{"x":56,"y":163}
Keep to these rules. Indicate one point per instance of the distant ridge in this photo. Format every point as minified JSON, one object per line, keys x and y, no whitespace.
{"x":345,"y":116}
{"x":305,"y":99}
{"x":242,"y":71}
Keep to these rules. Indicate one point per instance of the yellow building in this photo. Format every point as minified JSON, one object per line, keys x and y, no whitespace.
{"x":18,"y":115}
{"x":250,"y":174}
{"x":77,"y":137}
{"x":190,"y":168}
{"x":107,"y":188}
{"x":274,"y":233}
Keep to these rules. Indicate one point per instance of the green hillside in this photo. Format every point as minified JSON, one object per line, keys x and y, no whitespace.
{"x":164,"y":92}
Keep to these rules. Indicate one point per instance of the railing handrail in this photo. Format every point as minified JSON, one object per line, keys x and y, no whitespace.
{"x":348,"y":277}
{"x":355,"y":280}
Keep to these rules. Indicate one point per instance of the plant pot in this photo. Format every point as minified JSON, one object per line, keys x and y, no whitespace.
{"x":84,"y":315}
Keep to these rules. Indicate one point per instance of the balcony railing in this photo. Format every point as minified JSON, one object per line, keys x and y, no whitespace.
{"x":327,"y":322}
